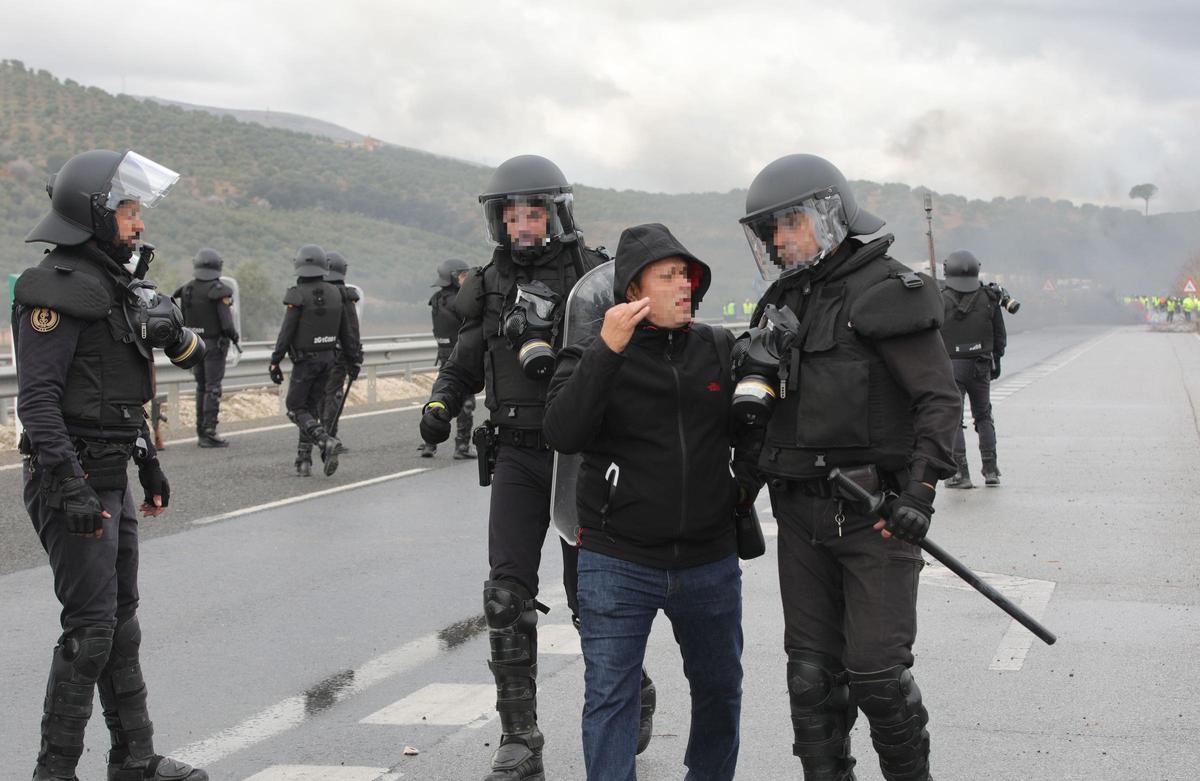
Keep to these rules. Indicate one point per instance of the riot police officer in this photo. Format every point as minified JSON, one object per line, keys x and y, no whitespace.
{"x":975,"y":337}
{"x":858,"y":377}
{"x":85,"y":327}
{"x":345,"y":364}
{"x":512,"y":308}
{"x":316,"y":321}
{"x":446,"y":322}
{"x":207,"y":305}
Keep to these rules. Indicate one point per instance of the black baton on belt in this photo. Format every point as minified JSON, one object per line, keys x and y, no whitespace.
{"x":876,"y":504}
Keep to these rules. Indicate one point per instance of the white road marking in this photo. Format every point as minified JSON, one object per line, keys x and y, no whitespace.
{"x":448,"y":704}
{"x":305,"y":497}
{"x":318,"y":773}
{"x":1030,"y":593}
{"x":558,"y":639}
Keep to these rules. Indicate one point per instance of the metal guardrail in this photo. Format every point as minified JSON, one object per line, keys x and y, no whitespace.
{"x":382,"y":356}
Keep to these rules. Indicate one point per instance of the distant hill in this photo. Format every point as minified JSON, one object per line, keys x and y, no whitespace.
{"x":297,"y":123}
{"x":255,"y":193}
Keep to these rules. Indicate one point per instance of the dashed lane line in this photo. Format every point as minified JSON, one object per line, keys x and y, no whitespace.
{"x":305,"y":497}
{"x":446,"y":704}
{"x":319,"y":773}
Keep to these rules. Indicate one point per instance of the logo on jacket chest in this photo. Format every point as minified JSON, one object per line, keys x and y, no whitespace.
{"x":714,"y":387}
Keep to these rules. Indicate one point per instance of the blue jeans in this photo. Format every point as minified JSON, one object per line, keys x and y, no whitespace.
{"x":618,"y":601}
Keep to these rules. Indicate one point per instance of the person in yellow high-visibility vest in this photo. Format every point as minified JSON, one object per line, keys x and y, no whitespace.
{"x":1189,"y":306}
{"x":729,"y":310}
{"x":748,"y":308}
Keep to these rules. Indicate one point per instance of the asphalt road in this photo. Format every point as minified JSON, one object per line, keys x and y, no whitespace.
{"x":318,"y":639}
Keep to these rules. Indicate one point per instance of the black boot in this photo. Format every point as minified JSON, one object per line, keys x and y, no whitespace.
{"x":822,"y":716}
{"x":316,"y":434}
{"x":991,"y":472}
{"x":304,"y":459}
{"x":123,"y":695}
{"x":961,"y":478}
{"x":891,"y":701}
{"x":427,"y":450}
{"x":649,"y":702}
{"x":512,"y":623}
{"x":208,"y":438}
{"x":78,"y":661}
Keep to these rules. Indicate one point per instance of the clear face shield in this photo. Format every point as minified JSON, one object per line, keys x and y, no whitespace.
{"x":796,"y":236}
{"x":522,"y":222}
{"x":139,"y":179}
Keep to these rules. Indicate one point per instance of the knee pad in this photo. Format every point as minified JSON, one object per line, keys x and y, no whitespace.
{"x":822,"y":714}
{"x":891,"y":701}
{"x":86,"y":650}
{"x":507,"y":604}
{"x":292,"y":416}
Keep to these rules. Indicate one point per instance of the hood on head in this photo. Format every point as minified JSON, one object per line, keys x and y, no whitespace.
{"x":642,"y":245}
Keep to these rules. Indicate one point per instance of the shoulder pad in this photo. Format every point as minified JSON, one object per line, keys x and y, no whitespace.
{"x":293,"y":296}
{"x":219,"y":290}
{"x":905,"y":303}
{"x":993,"y":291}
{"x":350,"y":294}
{"x":469,"y":301}
{"x":65,"y":290}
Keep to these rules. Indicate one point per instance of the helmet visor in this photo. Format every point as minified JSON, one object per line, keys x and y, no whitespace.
{"x":796,"y":236}
{"x":522,"y":221}
{"x":139,"y":179}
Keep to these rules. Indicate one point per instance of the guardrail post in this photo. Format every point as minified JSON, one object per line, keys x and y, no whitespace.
{"x":408,"y":371}
{"x":5,"y":409}
{"x":175,"y":405}
{"x":283,"y":394}
{"x":372,"y":384}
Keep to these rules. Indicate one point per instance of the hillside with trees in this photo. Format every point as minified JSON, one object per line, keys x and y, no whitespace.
{"x":256,"y":193}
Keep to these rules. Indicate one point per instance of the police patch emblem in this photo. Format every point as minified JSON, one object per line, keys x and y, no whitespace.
{"x":43,"y":319}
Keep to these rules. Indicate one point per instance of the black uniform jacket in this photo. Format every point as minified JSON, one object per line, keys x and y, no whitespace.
{"x":659,"y":413}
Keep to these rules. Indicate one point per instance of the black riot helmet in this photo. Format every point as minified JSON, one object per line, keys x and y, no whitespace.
{"x":207,"y":265}
{"x":962,"y":271}
{"x":311,"y":261}
{"x":532,"y":186}
{"x":337,"y":267}
{"x":85,"y":193}
{"x":801,"y":190}
{"x":448,"y":271}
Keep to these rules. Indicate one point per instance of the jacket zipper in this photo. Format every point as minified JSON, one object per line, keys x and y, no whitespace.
{"x":682,"y":440}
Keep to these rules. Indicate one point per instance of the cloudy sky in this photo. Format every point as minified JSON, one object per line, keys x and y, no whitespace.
{"x":1077,"y":99}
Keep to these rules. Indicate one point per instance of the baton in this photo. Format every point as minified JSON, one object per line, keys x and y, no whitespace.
{"x":345,"y":395}
{"x":875,"y":504}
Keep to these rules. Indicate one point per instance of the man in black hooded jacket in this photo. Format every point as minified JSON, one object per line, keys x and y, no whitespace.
{"x":648,"y":404}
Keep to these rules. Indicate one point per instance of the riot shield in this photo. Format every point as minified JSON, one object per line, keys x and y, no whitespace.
{"x":361,"y":306}
{"x":234,"y":355}
{"x":588,"y":301}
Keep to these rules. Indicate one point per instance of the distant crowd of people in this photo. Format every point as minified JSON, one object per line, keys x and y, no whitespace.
{"x":1160,"y":309}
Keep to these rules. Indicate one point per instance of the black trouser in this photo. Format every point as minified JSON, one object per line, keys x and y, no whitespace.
{"x":306,"y":391}
{"x":519,"y":519}
{"x":974,"y":379}
{"x":94,"y":580}
{"x":850,"y":619}
{"x":335,"y":390}
{"x":209,"y":373}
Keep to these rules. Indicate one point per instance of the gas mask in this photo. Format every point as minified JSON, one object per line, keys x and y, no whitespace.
{"x":762,"y":370}
{"x":157,"y":322}
{"x":530,"y":324}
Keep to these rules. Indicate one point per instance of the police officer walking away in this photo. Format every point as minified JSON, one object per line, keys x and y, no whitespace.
{"x":975,"y":337}
{"x":316,"y":321}
{"x":446,"y":321}
{"x":207,"y":305}
{"x":862,"y":383}
{"x":513,"y":308}
{"x":345,"y":364}
{"x":85,"y":328}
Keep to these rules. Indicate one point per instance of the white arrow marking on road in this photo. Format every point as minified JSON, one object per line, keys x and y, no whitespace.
{"x":305,"y":497}
{"x":452,"y":704}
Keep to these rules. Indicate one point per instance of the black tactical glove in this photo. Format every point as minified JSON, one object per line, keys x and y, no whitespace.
{"x":276,"y":374}
{"x":353,"y":370}
{"x":435,"y":423}
{"x":80,"y":504}
{"x":995,"y":367}
{"x":911,"y":512}
{"x":151,"y":476}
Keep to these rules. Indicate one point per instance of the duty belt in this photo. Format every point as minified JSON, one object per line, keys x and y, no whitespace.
{"x":531,"y":438}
